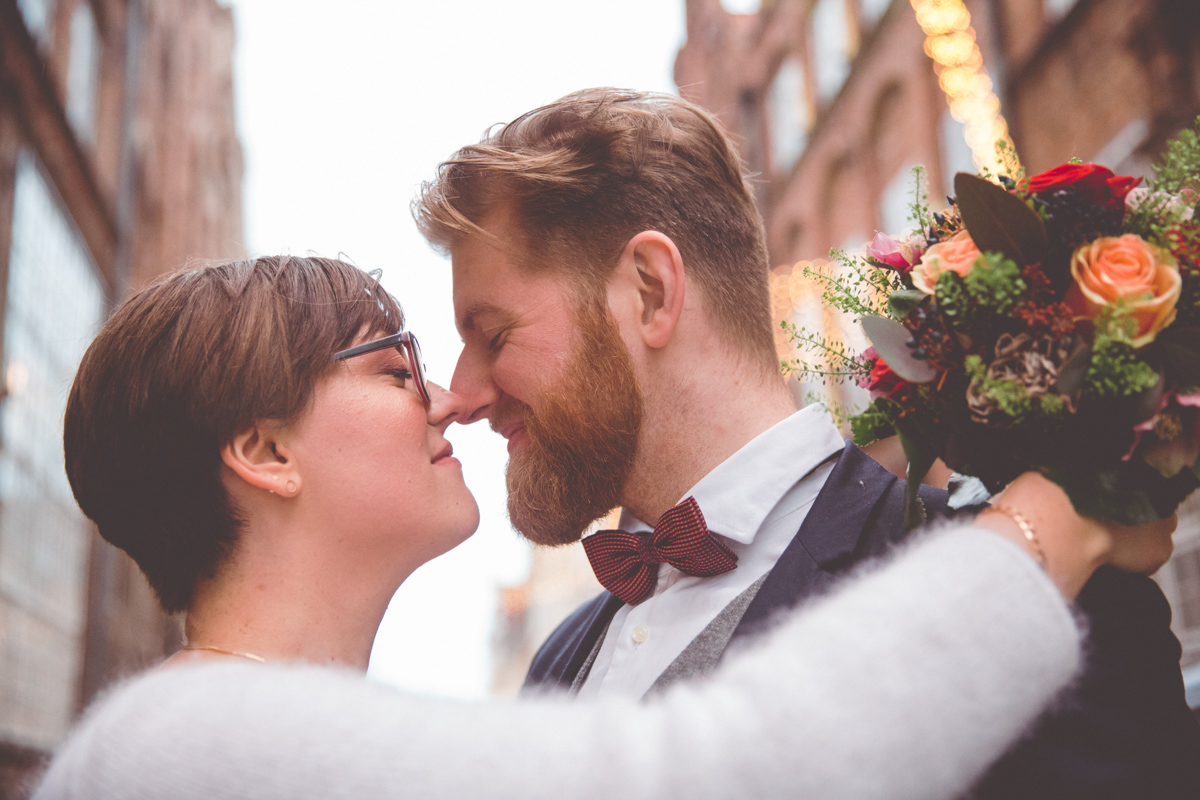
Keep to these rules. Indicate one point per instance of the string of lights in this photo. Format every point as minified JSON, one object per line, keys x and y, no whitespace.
{"x":950,"y":42}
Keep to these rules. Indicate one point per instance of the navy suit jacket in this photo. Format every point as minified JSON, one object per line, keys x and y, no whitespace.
{"x":1123,"y":731}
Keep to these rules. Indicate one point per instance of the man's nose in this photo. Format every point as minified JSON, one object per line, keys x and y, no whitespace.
{"x":472,"y":382}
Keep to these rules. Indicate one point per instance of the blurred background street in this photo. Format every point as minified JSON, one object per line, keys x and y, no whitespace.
{"x":136,"y":135}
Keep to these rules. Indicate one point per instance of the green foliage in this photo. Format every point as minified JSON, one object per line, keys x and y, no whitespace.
{"x":918,"y":209}
{"x":852,"y":286}
{"x":995,"y":282}
{"x":876,"y":422}
{"x":1162,"y":209}
{"x":841,"y":413}
{"x":1180,"y":166}
{"x":993,"y":288}
{"x":903,"y":302}
{"x":953,"y":300}
{"x":1006,"y":154}
{"x":1116,"y":371}
{"x":834,"y":361}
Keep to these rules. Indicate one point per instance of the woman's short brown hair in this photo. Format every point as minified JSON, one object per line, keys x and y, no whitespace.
{"x":588,"y":172}
{"x":176,"y":372}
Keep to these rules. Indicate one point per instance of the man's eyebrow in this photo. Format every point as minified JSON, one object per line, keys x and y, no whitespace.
{"x":474,"y":310}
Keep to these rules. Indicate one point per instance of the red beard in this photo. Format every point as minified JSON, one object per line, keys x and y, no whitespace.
{"x":580,"y":438}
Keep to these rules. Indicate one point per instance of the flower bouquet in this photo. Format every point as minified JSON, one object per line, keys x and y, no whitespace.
{"x":1046,"y":323}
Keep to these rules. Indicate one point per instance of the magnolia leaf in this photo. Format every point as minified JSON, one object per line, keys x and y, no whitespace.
{"x":1074,"y":370}
{"x":903,"y":302}
{"x":998,"y":221}
{"x":890,"y":339}
{"x":1149,"y":400}
{"x":1180,"y":348}
{"x":1104,"y":496}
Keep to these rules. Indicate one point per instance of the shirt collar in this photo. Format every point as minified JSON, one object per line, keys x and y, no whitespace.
{"x":741,"y":491}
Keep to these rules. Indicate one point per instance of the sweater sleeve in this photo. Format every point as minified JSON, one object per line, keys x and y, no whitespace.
{"x":905,"y":683}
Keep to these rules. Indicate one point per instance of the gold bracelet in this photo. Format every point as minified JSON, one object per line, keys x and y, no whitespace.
{"x":1026,"y":529}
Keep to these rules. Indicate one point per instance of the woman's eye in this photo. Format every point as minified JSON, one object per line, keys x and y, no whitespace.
{"x":401,"y":373}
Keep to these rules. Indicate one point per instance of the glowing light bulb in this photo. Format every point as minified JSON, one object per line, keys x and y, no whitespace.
{"x":951,"y":42}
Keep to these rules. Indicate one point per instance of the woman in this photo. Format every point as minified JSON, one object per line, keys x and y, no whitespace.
{"x":260,"y":438}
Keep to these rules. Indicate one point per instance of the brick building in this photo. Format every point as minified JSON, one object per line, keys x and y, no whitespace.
{"x":833,"y":102}
{"x":118,"y":161}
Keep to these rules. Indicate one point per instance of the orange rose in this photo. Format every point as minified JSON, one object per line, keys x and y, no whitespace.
{"x":956,"y":254}
{"x":1130,"y":268}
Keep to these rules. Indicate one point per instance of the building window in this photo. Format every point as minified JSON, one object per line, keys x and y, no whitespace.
{"x":83,"y":71}
{"x":54,"y":306}
{"x":1123,"y":152}
{"x":956,"y":153}
{"x":787,"y":105}
{"x":1057,"y":9}
{"x":38,"y":15}
{"x":832,"y":47}
{"x":895,"y":201}
{"x":871,"y":11}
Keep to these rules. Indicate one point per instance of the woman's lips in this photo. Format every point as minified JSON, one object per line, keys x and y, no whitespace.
{"x":445,"y":455}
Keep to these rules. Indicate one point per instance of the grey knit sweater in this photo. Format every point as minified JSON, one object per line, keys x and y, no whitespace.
{"x":907,"y":682}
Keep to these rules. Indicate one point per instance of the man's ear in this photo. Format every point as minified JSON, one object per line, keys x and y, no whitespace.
{"x":650,"y":284}
{"x":257,"y":456}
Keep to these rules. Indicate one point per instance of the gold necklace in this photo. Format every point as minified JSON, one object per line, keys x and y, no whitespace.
{"x":250,"y":656}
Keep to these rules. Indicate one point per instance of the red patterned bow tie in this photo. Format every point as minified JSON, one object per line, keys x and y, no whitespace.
{"x":627,"y":563}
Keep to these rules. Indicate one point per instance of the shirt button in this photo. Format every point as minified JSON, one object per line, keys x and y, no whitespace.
{"x":640,"y":633}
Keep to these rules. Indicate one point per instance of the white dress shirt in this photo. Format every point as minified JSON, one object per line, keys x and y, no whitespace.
{"x":754,"y":501}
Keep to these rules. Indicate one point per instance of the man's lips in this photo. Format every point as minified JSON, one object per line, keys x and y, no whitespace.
{"x":443,"y":454}
{"x":513,"y":432}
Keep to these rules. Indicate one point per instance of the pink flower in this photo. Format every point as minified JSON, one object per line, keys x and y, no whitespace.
{"x":883,"y":382}
{"x":956,"y":254}
{"x":899,"y":254}
{"x":1190,"y":400}
{"x":1170,"y":440}
{"x":868,"y":358}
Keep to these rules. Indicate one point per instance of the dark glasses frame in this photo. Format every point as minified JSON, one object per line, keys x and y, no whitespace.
{"x":406,"y":344}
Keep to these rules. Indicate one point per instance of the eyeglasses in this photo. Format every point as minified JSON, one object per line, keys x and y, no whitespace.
{"x":405,"y":344}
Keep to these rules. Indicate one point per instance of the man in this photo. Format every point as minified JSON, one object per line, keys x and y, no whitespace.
{"x":610,"y":285}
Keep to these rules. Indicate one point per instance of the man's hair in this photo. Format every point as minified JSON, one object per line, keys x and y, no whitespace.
{"x":589,"y":172}
{"x":176,"y":372}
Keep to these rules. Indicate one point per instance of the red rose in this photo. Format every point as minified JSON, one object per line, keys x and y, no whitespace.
{"x":1092,"y":182}
{"x":883,"y":382}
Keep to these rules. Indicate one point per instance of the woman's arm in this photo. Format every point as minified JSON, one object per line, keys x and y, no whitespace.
{"x":905,"y":683}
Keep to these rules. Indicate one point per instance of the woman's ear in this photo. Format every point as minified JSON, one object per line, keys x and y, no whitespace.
{"x":650,"y":278}
{"x":257,"y":456}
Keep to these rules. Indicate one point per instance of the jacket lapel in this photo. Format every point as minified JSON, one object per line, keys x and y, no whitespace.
{"x":828,"y":538}
{"x":561,"y":656}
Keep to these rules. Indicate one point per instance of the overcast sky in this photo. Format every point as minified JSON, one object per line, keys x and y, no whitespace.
{"x":344,"y":108}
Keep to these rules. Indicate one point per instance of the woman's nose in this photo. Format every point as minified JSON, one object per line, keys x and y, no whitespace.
{"x":444,"y":406}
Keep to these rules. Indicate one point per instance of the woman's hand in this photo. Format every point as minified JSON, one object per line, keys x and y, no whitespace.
{"x":1142,"y":548}
{"x":1075,"y":546}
